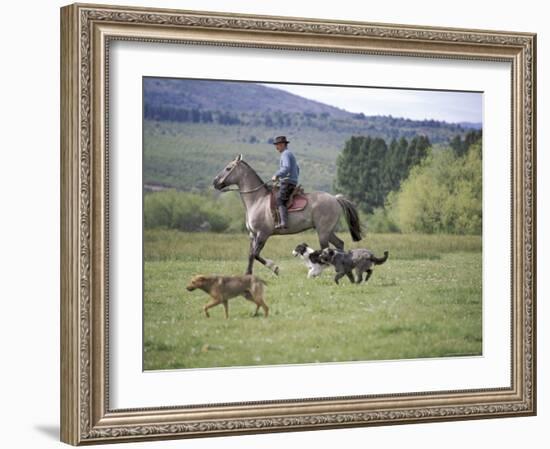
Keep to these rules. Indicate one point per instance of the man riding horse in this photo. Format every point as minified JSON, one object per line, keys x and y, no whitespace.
{"x":322,"y":211}
{"x":288,"y":176}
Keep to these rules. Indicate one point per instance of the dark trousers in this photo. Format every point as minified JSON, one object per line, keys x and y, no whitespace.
{"x":285,"y":191}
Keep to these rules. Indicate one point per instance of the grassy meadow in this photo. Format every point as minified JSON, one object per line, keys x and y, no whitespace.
{"x":179,"y":155}
{"x":425,"y":301}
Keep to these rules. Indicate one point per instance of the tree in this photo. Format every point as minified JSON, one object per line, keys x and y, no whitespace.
{"x":367,"y":169}
{"x":443,"y":194}
{"x":195,"y":115}
{"x":206,"y":117}
{"x":461,"y":146}
{"x":348,"y":172}
{"x":361,"y":171}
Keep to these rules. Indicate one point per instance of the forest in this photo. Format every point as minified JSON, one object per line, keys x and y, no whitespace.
{"x":386,"y":127}
{"x":409,"y":187}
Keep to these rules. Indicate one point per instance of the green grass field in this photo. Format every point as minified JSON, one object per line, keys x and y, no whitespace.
{"x":425,"y":301}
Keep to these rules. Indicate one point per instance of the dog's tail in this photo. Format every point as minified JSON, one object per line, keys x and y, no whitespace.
{"x":352,"y":218}
{"x":380,"y":260}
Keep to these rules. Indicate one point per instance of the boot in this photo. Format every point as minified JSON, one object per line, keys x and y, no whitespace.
{"x":283,"y":215}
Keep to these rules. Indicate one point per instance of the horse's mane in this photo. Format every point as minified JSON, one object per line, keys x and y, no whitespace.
{"x":252,"y":170}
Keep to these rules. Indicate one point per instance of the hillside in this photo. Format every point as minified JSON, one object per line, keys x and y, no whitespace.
{"x":255,"y":105}
{"x":236,"y":97}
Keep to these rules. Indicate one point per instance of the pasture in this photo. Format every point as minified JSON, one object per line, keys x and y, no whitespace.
{"x":425,"y":301}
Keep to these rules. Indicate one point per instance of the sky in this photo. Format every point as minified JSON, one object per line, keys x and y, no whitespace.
{"x":414,"y":104}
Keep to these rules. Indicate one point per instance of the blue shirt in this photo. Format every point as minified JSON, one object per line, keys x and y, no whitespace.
{"x":288,"y":167}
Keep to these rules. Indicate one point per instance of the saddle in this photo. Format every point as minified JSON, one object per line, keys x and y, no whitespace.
{"x":297,"y":201}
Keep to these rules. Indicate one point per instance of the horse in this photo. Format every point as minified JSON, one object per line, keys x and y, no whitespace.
{"x":323,"y":212}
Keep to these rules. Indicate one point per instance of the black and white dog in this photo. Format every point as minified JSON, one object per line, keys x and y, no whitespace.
{"x":362,"y":260}
{"x":311,"y":258}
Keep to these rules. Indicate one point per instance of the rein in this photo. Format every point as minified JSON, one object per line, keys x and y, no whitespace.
{"x":255,"y":189}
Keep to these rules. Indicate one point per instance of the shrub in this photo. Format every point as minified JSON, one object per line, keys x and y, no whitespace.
{"x":183,"y":211}
{"x":380,"y":221}
{"x":442,"y":194}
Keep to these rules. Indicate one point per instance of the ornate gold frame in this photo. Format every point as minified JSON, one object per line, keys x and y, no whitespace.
{"x":86,"y":31}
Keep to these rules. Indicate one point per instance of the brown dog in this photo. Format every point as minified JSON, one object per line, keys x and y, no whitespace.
{"x":223,"y":288}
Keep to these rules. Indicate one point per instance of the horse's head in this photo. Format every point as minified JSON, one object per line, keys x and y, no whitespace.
{"x":229,"y":174}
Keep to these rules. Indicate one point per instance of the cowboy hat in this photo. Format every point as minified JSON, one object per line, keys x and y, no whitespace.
{"x":280,"y":139}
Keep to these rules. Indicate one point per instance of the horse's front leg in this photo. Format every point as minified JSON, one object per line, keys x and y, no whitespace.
{"x":251,"y":255}
{"x":258,"y":245}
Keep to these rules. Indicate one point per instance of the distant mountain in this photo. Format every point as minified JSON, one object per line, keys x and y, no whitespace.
{"x":230,"y":96}
{"x":255,"y":105}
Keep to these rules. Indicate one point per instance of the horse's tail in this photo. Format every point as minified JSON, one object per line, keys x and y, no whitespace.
{"x":352,"y":218}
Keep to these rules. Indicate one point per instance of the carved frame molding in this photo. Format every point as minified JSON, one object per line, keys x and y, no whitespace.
{"x":87,"y":31}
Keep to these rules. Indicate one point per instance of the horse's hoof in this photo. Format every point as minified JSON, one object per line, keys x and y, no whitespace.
{"x":271,"y":265}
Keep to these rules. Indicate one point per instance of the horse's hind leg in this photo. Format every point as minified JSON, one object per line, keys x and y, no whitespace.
{"x":338,"y":243}
{"x":324,"y":239}
{"x":330,"y":237}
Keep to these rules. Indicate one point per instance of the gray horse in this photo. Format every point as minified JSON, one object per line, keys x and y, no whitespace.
{"x":322,"y":212}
